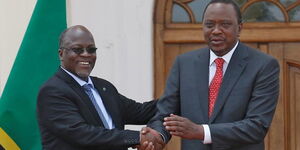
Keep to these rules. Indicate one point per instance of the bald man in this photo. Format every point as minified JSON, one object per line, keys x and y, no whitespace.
{"x":79,"y":112}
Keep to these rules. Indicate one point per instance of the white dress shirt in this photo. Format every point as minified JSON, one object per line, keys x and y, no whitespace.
{"x":96,"y":95}
{"x":212,"y":71}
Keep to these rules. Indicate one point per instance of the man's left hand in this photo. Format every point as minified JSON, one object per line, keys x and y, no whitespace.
{"x":183,"y":127}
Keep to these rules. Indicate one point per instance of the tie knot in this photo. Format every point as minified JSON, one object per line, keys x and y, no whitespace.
{"x":219,"y":62}
{"x":87,"y":87}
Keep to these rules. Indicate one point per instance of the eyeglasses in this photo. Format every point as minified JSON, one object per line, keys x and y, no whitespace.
{"x":78,"y":51}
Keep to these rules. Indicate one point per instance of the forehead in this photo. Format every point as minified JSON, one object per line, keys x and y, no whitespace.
{"x":220,"y":11}
{"x":78,"y":36}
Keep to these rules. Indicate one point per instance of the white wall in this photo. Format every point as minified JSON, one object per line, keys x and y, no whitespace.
{"x":14,"y":18}
{"x":122,"y":31}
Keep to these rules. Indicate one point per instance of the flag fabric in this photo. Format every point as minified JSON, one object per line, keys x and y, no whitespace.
{"x":7,"y":142}
{"x":36,"y":61}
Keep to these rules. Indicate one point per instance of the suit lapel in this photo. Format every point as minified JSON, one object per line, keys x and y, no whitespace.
{"x":201,"y":74}
{"x":109,"y":103}
{"x":234,"y":70}
{"x":83,"y":96}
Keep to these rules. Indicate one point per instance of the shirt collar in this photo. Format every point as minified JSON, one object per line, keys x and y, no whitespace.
{"x":226,"y":57}
{"x":77,"y":79}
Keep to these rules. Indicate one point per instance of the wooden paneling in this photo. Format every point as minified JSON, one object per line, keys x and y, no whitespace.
{"x":159,"y":59}
{"x":294,"y":97}
{"x":275,"y":138}
{"x":174,"y":144}
{"x":253,"y":45}
{"x":292,"y":52}
{"x":171,"y":51}
{"x":292,"y":76}
{"x":247,"y":35}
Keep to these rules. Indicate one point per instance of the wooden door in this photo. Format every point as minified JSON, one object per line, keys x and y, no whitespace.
{"x":177,"y":29}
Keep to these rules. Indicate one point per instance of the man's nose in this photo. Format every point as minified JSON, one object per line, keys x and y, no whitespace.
{"x":217,"y":29}
{"x":85,"y":53}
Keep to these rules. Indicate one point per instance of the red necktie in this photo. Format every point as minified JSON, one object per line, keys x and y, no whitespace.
{"x":215,"y":85}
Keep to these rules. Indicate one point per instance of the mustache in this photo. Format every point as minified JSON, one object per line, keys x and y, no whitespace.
{"x":216,"y":39}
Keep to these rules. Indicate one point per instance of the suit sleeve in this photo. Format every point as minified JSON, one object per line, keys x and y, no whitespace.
{"x":261,"y":107}
{"x":169,"y":103}
{"x":138,"y":113}
{"x":59,"y":115}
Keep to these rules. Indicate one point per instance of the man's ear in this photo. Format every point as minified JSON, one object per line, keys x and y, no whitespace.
{"x":60,"y":54}
{"x":240,"y":27}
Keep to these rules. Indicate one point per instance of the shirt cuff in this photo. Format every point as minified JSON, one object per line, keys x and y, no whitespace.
{"x":163,"y":137}
{"x":207,"y":136}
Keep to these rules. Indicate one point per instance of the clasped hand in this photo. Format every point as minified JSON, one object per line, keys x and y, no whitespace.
{"x":150,"y":140}
{"x":177,"y":126}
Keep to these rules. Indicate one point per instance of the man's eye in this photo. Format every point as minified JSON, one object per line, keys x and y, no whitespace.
{"x":91,"y":50}
{"x":77,"y":50}
{"x":226,"y":24}
{"x":209,"y":25}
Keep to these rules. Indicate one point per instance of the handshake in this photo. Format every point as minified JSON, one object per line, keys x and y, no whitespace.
{"x":150,"y":140}
{"x":182,"y":127}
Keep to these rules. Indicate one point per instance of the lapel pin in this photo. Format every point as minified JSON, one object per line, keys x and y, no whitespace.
{"x":104,"y":89}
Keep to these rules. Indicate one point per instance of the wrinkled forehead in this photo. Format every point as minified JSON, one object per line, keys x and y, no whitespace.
{"x":221,"y":11}
{"x":77,"y":35}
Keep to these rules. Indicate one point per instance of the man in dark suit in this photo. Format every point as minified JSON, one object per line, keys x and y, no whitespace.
{"x":79,"y":112}
{"x":220,"y":97}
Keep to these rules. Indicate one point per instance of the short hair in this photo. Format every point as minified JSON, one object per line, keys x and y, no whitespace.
{"x":231,"y":2}
{"x":62,"y":39}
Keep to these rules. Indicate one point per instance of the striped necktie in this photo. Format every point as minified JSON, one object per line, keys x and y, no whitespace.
{"x":88,"y":91}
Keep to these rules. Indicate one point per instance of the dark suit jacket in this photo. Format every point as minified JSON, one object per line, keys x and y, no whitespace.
{"x":69,"y":121}
{"x":245,"y":105}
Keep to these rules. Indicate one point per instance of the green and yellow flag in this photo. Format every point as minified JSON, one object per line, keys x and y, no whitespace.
{"x":36,"y":61}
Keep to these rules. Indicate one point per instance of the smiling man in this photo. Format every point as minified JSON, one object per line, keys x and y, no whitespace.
{"x":222,"y":97}
{"x":77,"y":52}
{"x":79,"y":112}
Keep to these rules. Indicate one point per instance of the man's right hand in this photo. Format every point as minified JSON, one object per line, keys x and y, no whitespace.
{"x":149,"y":137}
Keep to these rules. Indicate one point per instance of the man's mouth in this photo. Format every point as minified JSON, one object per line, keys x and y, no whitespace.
{"x":216,"y":41}
{"x":84,"y":63}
